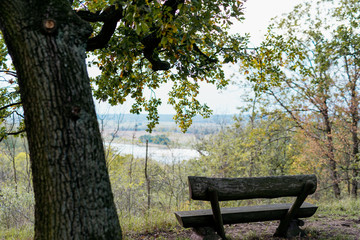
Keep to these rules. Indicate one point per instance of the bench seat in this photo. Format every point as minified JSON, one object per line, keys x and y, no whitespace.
{"x":203,"y":218}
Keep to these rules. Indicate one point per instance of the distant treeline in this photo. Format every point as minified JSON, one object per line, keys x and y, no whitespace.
{"x":158,"y":139}
{"x":133,"y":122}
{"x":141,"y":118}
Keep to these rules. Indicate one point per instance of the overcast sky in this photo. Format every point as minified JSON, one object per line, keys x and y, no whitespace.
{"x":257,"y":17}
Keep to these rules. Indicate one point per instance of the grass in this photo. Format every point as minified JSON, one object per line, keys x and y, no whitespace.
{"x":348,"y":207}
{"x":155,"y":221}
{"x":332,"y":208}
{"x":158,"y":222}
{"x":24,"y":233}
{"x":326,"y":236}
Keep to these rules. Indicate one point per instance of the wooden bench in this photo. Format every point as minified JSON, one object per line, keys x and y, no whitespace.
{"x":225,"y":189}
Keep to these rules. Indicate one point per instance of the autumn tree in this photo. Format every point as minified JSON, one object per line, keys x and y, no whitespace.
{"x":137,"y":45}
{"x":308,"y":65}
{"x":257,"y":144}
{"x":346,"y":45}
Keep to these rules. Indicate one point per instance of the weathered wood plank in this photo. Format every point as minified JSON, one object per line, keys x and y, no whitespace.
{"x":248,"y":188}
{"x":202,"y":218}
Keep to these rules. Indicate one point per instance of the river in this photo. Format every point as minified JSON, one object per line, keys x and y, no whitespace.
{"x":158,"y":153}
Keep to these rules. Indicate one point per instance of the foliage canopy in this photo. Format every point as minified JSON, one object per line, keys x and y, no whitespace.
{"x":140,"y":45}
{"x":154,"y":42}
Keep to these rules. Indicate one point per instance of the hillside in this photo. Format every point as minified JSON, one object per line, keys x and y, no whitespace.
{"x":133,"y":122}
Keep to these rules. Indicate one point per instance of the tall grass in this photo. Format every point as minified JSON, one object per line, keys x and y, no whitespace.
{"x":25,"y":232}
{"x":155,"y":220}
{"x":348,"y":206}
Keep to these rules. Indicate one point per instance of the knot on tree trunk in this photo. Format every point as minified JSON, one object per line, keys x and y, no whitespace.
{"x":49,"y":25}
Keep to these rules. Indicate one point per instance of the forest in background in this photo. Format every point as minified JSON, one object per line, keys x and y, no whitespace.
{"x":264,"y":145}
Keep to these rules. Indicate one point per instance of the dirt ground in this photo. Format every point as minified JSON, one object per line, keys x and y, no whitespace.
{"x":319,"y":228}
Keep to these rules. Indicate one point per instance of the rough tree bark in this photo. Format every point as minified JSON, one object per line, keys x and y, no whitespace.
{"x":73,"y":198}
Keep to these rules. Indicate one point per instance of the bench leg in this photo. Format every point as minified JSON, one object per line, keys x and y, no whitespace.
{"x":292,"y":231}
{"x":204,"y":233}
{"x":219,"y":226}
{"x":288,"y":222}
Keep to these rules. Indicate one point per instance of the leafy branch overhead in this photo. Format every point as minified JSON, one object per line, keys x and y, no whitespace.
{"x":140,"y":45}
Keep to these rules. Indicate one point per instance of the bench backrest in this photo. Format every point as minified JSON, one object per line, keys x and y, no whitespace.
{"x":248,"y":188}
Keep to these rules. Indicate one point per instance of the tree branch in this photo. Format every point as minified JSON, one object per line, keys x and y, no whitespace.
{"x":11,"y":73}
{"x":16,"y":133}
{"x":173,"y":4}
{"x":203,"y":55}
{"x":152,"y":41}
{"x":99,"y":16}
{"x":11,"y":134}
{"x":110,"y":16}
{"x":10,"y":105}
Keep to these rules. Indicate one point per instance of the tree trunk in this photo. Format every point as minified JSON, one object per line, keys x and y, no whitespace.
{"x":355,"y":151}
{"x":354,"y":112}
{"x":147,"y":178}
{"x":73,"y":198}
{"x":330,"y":153}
